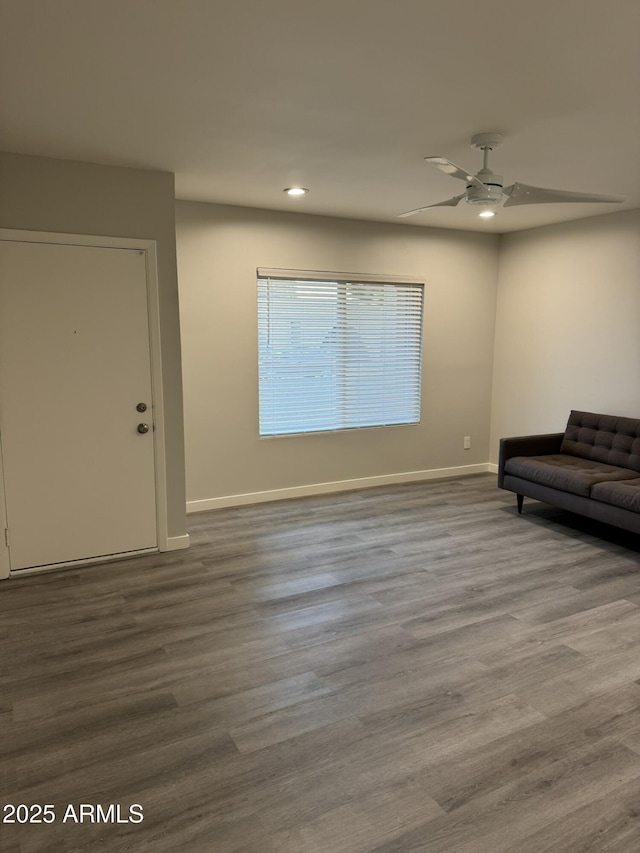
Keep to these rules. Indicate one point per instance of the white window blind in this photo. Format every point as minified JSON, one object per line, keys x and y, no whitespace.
{"x":338,"y":354}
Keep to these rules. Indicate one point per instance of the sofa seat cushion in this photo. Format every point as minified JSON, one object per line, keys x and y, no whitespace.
{"x":566,"y":473}
{"x":625,"y":494}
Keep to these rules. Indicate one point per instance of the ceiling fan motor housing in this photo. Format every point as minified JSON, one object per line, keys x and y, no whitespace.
{"x":490,"y":194}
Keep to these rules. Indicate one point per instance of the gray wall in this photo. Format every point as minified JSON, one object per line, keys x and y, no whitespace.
{"x":41,"y":194}
{"x":567,"y":325}
{"x":219,"y":249}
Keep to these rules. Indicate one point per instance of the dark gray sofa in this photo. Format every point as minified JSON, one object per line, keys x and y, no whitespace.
{"x":592,"y":468}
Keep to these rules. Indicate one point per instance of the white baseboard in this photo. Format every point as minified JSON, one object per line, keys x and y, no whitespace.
{"x":492,"y":467}
{"x":177,"y":543}
{"x":336,"y":486}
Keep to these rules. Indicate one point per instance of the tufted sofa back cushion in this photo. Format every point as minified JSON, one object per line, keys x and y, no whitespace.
{"x":603,"y":438}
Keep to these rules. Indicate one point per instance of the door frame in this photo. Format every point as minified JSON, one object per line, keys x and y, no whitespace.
{"x":153,"y":315}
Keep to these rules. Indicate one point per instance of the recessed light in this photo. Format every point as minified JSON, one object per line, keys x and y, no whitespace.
{"x":296,"y":191}
{"x":486,"y":214}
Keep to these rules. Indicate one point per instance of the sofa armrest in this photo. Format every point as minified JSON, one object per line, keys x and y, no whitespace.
{"x":527,"y":445}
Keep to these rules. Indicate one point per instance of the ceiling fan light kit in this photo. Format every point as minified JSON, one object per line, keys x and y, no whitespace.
{"x":486,"y":188}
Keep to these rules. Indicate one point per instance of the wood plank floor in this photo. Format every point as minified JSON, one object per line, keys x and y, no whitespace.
{"x":395,"y":670}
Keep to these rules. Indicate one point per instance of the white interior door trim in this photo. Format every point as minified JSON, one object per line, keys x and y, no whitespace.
{"x":153,"y":310}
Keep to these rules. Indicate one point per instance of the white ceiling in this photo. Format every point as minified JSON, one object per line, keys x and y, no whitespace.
{"x":241,"y":98}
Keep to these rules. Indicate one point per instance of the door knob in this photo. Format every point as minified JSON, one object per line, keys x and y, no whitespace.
{"x":143,"y":428}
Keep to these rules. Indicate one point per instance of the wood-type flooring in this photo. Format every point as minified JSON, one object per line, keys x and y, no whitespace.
{"x":412,"y":669}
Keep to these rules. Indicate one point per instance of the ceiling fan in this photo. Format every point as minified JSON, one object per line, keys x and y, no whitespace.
{"x":486,"y":190}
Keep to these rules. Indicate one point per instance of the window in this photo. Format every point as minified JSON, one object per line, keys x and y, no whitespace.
{"x":336,"y":352}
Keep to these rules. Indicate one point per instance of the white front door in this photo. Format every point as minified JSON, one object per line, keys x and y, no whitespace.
{"x":79,"y":476}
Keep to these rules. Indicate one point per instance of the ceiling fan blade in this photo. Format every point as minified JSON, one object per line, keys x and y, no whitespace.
{"x":523,"y":194}
{"x":450,"y":202}
{"x":450,"y":168}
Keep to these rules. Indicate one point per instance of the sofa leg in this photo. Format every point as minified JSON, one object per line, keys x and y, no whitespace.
{"x":520,"y":499}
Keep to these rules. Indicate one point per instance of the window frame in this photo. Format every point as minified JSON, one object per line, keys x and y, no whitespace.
{"x":326,"y":276}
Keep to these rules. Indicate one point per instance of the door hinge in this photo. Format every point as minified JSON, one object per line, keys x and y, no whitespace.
{"x":6,"y":536}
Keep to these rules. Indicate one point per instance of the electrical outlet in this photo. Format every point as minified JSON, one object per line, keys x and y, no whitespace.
{"x":467,"y":442}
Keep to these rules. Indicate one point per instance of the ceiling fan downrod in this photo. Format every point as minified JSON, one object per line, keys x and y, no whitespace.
{"x":491,"y":193}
